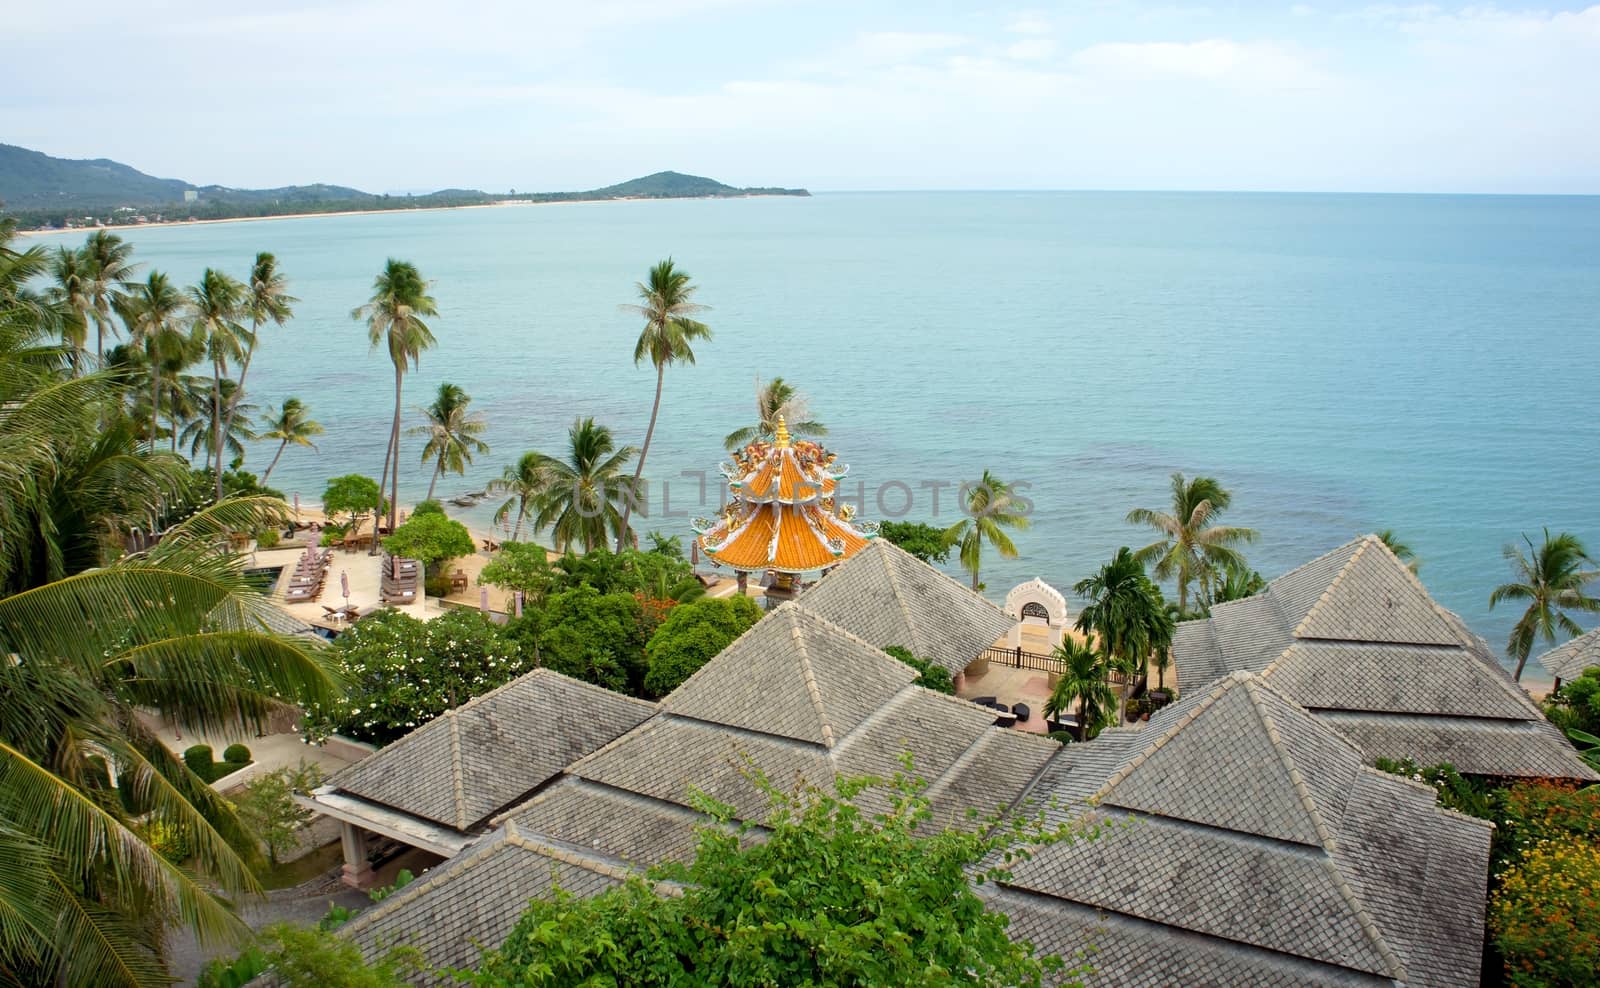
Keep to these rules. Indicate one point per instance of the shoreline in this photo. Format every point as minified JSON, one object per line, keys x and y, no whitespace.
{"x":396,"y":209}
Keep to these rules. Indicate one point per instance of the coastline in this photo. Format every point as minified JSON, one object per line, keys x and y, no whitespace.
{"x":398,"y":209}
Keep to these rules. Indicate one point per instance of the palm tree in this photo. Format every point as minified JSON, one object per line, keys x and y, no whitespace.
{"x":1126,"y":613}
{"x":180,"y":631}
{"x":215,"y":305}
{"x":291,"y":424}
{"x":394,"y":317}
{"x":776,"y":399}
{"x":1191,"y":546}
{"x":110,"y":268}
{"x":1082,"y":684}
{"x":73,"y":291}
{"x":452,"y":433}
{"x":1401,"y":551}
{"x":524,"y":481}
{"x":580,"y":496}
{"x":992,"y":506}
{"x":267,"y":299}
{"x":666,"y":303}
{"x":197,"y":434}
{"x":1233,"y":583}
{"x":1551,"y":578}
{"x":151,"y":312}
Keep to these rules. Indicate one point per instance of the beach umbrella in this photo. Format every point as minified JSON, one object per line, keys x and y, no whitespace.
{"x":483,"y":599}
{"x":518,"y":601}
{"x":344,"y":584}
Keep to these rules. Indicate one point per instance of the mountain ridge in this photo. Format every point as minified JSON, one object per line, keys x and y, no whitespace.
{"x":49,"y":190}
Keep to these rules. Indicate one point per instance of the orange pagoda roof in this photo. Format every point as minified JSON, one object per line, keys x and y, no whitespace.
{"x":781,"y":515}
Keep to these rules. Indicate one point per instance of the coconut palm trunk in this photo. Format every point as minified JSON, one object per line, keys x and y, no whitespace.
{"x":155,"y":402}
{"x":638,"y":470}
{"x":238,"y":391}
{"x":216,"y":420}
{"x":275,"y":457}
{"x":394,"y":444}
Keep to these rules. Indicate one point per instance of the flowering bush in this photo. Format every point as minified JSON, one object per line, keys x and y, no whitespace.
{"x":403,"y":672}
{"x":1533,"y":813}
{"x":1545,"y":915}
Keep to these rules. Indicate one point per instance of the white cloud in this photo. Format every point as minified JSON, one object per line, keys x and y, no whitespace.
{"x":1029,"y":22}
{"x":1031,"y":49}
{"x":1217,"y":59}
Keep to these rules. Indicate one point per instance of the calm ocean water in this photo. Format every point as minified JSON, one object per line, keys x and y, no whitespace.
{"x":1342,"y":362}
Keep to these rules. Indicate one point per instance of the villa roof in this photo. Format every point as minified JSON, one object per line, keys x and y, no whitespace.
{"x":476,"y":898}
{"x":1242,"y":841}
{"x":1569,"y":660}
{"x":887,"y":596}
{"x":1354,"y":637}
{"x":465,"y":764}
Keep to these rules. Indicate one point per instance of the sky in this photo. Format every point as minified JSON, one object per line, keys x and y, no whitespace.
{"x":413,"y":95}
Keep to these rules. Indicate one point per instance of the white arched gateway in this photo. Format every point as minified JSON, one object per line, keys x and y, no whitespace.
{"x":1039,"y":604}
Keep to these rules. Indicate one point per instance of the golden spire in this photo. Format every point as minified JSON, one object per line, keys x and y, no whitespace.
{"x":781,"y":438}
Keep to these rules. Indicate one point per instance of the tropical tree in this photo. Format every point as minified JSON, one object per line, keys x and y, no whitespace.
{"x":1125,"y":612}
{"x":266,"y":300}
{"x":991,"y":506}
{"x":585,"y":495}
{"x":452,"y":432}
{"x":72,"y":290}
{"x":666,"y":303}
{"x":1401,"y":550}
{"x":151,"y":311}
{"x":394,"y":317}
{"x":109,"y":259}
{"x":1551,"y":578}
{"x":777,"y":399}
{"x":180,"y":630}
{"x":1192,"y":546}
{"x":291,"y":424}
{"x":1233,"y":583}
{"x":524,"y":481}
{"x":215,"y":305}
{"x":1082,"y":686}
{"x":197,"y":434}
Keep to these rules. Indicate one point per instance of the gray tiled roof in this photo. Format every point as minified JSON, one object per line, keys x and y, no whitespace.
{"x":1353,"y":635}
{"x":1569,"y":660}
{"x":474,"y":898}
{"x":462,"y":766}
{"x":792,"y":674}
{"x":619,"y":825}
{"x":1245,"y":843}
{"x":887,"y":596}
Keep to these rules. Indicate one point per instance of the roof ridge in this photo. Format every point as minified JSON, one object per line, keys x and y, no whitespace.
{"x":1218,"y":688}
{"x":900,"y":600}
{"x":1424,"y":787}
{"x":1327,"y":591}
{"x":1296,"y":780}
{"x":944,"y":576}
{"x":445,"y":872}
{"x":799,"y":605}
{"x":1314,"y":560}
{"x":456,"y":770}
{"x":809,"y":676}
{"x":1396,"y":969}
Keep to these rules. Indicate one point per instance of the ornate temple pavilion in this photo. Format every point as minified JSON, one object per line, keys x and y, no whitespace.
{"x":782,"y":515}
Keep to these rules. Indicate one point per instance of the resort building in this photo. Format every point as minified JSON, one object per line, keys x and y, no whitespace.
{"x":1248,"y":843}
{"x":1354,"y":638}
{"x":1569,"y":660}
{"x":782,"y":515}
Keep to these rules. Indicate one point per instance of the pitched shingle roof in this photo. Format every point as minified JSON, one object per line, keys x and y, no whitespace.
{"x":1353,"y":636}
{"x":793,"y":674}
{"x":1245,"y":843}
{"x":475,"y":898}
{"x":1569,"y":660}
{"x":887,"y":596}
{"x":462,"y":766}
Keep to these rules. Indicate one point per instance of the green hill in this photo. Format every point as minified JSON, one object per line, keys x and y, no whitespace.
{"x":45,"y":191}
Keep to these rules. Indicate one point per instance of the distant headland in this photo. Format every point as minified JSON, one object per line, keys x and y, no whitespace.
{"x":43,"y":193}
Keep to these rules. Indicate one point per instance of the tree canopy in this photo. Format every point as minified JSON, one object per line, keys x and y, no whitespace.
{"x":833,"y":895}
{"x":432,"y":538}
{"x":691,"y":635}
{"x":927,"y":543}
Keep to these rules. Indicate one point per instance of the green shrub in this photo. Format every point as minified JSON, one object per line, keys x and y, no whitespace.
{"x":267,"y":539}
{"x":199,"y":758}
{"x":168,"y":840}
{"x":402,"y":878}
{"x":929,"y":675}
{"x":428,"y":508}
{"x":691,"y":635}
{"x":1063,"y":737}
{"x":437,"y":586}
{"x":235,"y":973}
{"x":1456,"y":792}
{"x":431,"y":538}
{"x":236,"y":753}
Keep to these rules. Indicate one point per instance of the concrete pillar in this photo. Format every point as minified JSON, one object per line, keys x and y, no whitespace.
{"x":743,"y":579}
{"x":357,"y":872}
{"x":1014,"y":636}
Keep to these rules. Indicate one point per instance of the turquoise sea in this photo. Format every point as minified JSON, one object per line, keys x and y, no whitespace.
{"x":1342,"y":362}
